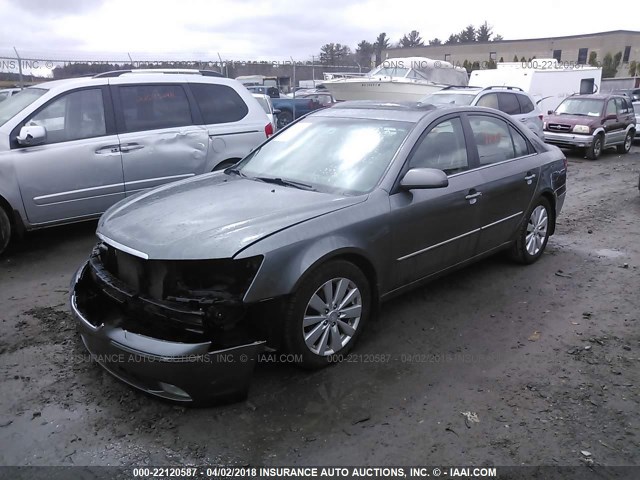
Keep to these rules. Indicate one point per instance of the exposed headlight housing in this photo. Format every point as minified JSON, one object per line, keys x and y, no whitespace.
{"x":581,"y":129}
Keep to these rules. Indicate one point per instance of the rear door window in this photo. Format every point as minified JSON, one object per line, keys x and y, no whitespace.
{"x":508,"y":103}
{"x":494,"y":140}
{"x":219,"y":103}
{"x":152,"y":107}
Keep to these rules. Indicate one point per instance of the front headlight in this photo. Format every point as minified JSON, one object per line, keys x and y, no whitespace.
{"x":581,"y":129}
{"x":544,"y":125}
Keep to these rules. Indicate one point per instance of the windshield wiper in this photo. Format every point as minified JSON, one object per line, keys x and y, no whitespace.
{"x":286,"y":183}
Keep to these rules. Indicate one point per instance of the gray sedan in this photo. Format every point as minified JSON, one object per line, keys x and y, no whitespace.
{"x":295,"y":246}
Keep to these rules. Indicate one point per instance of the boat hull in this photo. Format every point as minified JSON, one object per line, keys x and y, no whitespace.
{"x":381,"y":90}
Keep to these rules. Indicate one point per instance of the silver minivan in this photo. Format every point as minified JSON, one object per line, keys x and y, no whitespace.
{"x":69,"y":149}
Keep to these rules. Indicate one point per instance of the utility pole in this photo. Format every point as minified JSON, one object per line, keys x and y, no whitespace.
{"x":19,"y":67}
{"x":313,"y":69}
{"x":294,"y":88}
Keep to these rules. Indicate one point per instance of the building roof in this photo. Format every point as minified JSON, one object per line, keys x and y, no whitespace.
{"x":496,"y":42}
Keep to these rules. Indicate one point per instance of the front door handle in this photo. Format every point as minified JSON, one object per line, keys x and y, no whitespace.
{"x":473,"y":196}
{"x":130,"y":147}
{"x":108,"y":150}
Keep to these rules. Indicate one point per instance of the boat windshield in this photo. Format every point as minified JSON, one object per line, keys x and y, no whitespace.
{"x":390,"y":71}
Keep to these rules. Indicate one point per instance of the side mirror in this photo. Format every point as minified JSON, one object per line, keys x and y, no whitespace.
{"x":611,"y":116}
{"x":32,"y":135}
{"x":420,"y":178}
{"x":277,"y":111}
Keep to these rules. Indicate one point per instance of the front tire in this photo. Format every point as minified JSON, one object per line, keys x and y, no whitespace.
{"x":533,"y":234}
{"x":626,"y":146}
{"x":5,"y":230}
{"x":594,"y":151}
{"x":325,"y":316}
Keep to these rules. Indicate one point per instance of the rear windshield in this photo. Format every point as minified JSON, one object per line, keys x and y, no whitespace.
{"x":449,"y":99}
{"x":18,"y":102}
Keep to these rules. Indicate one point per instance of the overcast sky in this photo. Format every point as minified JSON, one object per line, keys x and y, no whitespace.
{"x":268,"y":30}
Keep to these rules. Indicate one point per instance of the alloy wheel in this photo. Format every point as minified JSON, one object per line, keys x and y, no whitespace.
{"x":332,"y":316}
{"x":537,"y":230}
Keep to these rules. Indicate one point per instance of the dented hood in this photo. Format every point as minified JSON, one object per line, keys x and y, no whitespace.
{"x":210,"y":216}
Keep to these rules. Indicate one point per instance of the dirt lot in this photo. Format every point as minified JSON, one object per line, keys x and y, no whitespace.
{"x":547,"y":356}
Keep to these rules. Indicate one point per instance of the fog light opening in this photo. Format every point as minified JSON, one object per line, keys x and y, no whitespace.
{"x":174,"y":391}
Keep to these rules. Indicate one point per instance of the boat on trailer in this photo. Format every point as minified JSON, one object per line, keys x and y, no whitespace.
{"x":397,"y":80}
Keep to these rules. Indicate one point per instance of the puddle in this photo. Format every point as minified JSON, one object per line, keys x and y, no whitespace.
{"x":607,"y":252}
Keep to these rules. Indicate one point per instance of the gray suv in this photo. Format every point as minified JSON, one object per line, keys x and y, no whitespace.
{"x":511,"y":100}
{"x":69,"y":149}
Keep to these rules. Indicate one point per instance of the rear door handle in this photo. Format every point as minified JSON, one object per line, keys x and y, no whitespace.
{"x":130,"y":147}
{"x":529,"y":178}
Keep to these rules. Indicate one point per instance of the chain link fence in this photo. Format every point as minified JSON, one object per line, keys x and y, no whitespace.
{"x":23,"y":68}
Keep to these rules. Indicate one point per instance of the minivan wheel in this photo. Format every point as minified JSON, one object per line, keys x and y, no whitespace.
{"x":5,"y":230}
{"x":326,"y":315}
{"x":626,"y":146}
{"x":534,"y":233}
{"x":594,"y":151}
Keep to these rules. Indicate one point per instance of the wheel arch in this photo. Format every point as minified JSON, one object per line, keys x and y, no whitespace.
{"x":226,"y":162}
{"x":551,"y":198}
{"x":351,"y":255}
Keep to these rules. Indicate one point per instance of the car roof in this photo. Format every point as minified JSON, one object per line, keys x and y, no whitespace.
{"x":134,"y":77}
{"x":396,"y":111}
{"x":596,"y":96}
{"x":460,"y":90}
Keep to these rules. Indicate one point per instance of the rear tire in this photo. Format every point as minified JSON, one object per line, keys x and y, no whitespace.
{"x":533,"y":234}
{"x":595,"y":150}
{"x":626,"y":146}
{"x":284,"y":119}
{"x":326,"y":315}
{"x":5,"y":230}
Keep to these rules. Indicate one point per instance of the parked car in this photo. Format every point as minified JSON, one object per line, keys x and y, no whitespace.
{"x":323,"y":98}
{"x":511,"y":100}
{"x":289,"y":108}
{"x":632,"y":93}
{"x":8,"y":92}
{"x":592,"y":122}
{"x":267,"y":106}
{"x":636,"y":110}
{"x":69,"y":149}
{"x":272,"y":92}
{"x":295,"y":246}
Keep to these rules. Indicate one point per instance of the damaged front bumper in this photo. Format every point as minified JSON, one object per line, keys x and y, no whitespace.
{"x":189,"y":368}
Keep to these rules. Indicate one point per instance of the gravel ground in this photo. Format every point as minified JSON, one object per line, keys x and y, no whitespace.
{"x":546,"y":358}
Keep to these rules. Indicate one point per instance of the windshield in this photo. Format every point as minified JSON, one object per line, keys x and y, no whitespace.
{"x":337,"y":155}
{"x":390,"y":71}
{"x":580,"y":106}
{"x":14,"y":104}
{"x":449,"y":99}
